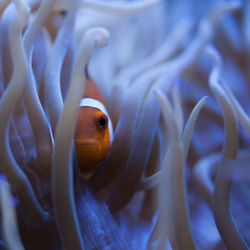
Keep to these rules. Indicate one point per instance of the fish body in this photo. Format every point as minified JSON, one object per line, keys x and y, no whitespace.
{"x":94,"y":131}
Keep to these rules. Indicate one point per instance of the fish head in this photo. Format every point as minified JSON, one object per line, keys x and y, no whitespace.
{"x":91,"y":138}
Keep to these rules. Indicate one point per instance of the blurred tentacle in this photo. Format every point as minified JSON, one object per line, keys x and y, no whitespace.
{"x":136,"y":162}
{"x":124,"y":133}
{"x":17,"y":179}
{"x":224,"y":7}
{"x":36,"y":25}
{"x":32,"y":103}
{"x":182,"y":62}
{"x":3,"y":5}
{"x":246,"y":23}
{"x":189,"y":127}
{"x":62,"y":173}
{"x":173,"y":204}
{"x":154,"y":179}
{"x":149,"y":182}
{"x":6,"y":61}
{"x":241,"y":114}
{"x":41,"y":51}
{"x":6,"y":65}
{"x":115,"y":9}
{"x":130,"y":114}
{"x":52,"y":84}
{"x":202,"y":171}
{"x":153,"y":165}
{"x":232,"y":32}
{"x":221,"y":196}
{"x":169,"y":47}
{"x":177,"y":107}
{"x":205,"y":169}
{"x":126,"y":123}
{"x":143,"y":70}
{"x":230,"y":146}
{"x":146,"y":123}
{"x":138,"y":155}
{"x":9,"y":219}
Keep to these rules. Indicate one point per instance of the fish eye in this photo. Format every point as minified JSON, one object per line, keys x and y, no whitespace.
{"x":63,"y":12}
{"x":102,"y":122}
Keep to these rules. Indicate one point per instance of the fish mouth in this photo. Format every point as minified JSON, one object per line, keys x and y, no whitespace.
{"x":88,"y":142}
{"x":89,"y":152}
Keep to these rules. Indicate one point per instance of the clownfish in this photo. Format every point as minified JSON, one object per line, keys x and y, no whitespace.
{"x":94,"y":130}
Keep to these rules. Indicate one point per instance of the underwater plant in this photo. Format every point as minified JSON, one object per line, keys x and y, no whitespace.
{"x":174,"y":76}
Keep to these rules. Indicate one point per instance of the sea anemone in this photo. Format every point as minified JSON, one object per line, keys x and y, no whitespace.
{"x":175,"y":78}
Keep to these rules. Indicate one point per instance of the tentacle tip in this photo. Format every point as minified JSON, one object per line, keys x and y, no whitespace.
{"x":157,"y":92}
{"x":102,"y":43}
{"x":102,"y":38}
{"x":211,"y":50}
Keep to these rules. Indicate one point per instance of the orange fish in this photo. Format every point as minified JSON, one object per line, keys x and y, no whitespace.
{"x":94,"y":130}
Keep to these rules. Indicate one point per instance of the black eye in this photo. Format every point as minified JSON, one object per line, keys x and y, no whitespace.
{"x":63,"y":12}
{"x":102,"y":122}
